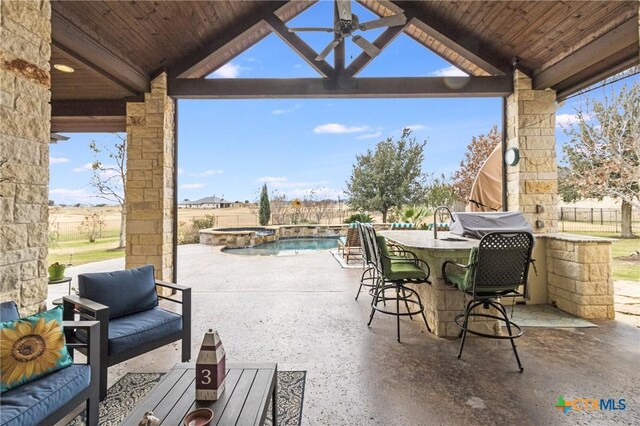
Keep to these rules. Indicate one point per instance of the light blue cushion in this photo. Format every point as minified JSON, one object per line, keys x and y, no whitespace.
{"x":9,"y":311}
{"x":32,"y":347}
{"x":137,"y":329}
{"x":33,"y":402}
{"x":124,"y":292}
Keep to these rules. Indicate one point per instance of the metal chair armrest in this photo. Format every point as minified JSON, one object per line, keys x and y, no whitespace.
{"x":172,"y":286}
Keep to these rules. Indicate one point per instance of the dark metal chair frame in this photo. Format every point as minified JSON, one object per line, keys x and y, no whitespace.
{"x":369,"y":276}
{"x":503,"y":260}
{"x":383,"y":284}
{"x":88,"y":309}
{"x":89,"y":395}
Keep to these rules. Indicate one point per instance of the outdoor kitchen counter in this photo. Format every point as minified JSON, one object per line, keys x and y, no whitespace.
{"x":441,"y":301}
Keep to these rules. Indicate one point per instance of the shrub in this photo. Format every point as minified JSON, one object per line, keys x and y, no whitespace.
{"x":189,"y":232}
{"x":359,"y":217}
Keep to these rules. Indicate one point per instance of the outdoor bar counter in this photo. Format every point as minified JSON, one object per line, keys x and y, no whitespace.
{"x":441,"y":301}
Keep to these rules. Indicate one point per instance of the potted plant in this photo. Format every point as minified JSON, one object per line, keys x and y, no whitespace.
{"x":56,"y":271}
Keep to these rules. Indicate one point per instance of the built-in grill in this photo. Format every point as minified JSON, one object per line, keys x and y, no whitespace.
{"x":478,"y":224}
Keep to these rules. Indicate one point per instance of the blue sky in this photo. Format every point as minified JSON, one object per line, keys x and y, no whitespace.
{"x":229,"y":147}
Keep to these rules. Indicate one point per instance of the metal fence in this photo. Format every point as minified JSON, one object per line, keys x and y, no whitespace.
{"x":71,"y":231}
{"x":582,"y":219}
{"x":249,"y":219}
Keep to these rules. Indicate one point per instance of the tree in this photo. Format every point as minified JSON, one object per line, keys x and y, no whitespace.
{"x":109,"y":180}
{"x":440,"y":193}
{"x":603,"y":153}
{"x":478,"y":151}
{"x":391,"y":176}
{"x":264,"y":212}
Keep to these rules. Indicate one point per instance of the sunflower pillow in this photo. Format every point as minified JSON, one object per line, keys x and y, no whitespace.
{"x":32,"y":347}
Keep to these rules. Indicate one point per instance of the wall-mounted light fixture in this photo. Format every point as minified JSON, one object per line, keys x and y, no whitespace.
{"x":512,"y":156}
{"x":63,"y":68}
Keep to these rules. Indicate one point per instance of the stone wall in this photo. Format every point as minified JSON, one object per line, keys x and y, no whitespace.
{"x":531,"y":129}
{"x":25,"y":115}
{"x":579,"y":279}
{"x":150,"y":186}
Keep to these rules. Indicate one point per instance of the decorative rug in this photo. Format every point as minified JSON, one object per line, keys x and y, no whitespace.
{"x":123,"y":396}
{"x":355,"y":262}
{"x":546,"y":316}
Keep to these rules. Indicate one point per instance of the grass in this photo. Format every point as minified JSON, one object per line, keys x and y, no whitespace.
{"x":622,"y":269}
{"x":84,"y":251}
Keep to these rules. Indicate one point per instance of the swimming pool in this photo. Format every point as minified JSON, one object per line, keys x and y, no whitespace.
{"x":286,"y":246}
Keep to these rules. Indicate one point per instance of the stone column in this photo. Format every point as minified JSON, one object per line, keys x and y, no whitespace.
{"x":25,"y":115}
{"x":149,"y":192}
{"x":534,"y":180}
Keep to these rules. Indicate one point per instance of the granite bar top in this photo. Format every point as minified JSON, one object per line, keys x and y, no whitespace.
{"x":424,"y":240}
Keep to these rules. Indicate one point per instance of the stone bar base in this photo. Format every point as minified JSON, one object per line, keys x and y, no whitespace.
{"x":579,"y":279}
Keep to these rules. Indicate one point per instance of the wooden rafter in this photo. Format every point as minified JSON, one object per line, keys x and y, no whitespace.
{"x":601,"y":52}
{"x":381,"y":42}
{"x":298,"y":45}
{"x":403,"y":87}
{"x":85,"y":49}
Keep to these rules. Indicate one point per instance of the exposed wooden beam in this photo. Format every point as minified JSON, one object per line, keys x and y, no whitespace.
{"x":194,"y":65}
{"x":339,"y":53}
{"x":399,"y":87}
{"x":85,"y":49}
{"x":103,"y":108}
{"x":457,"y":39}
{"x":298,"y":45}
{"x":596,"y":52}
{"x":381,"y":42}
{"x":89,"y":124}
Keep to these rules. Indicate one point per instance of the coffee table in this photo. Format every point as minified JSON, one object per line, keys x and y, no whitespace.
{"x":249,"y":388}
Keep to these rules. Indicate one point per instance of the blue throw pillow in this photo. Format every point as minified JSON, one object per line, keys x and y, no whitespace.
{"x":32,"y":347}
{"x":124,"y":292}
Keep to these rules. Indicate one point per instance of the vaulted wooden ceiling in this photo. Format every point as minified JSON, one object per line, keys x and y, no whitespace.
{"x":117,"y":46}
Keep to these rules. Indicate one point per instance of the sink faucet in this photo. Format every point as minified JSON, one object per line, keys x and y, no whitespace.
{"x":435,"y":223}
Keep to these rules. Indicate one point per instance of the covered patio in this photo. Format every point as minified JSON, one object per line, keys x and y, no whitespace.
{"x":134,"y":60}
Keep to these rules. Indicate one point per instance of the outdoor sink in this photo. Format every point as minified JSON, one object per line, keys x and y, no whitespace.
{"x":452,"y":239}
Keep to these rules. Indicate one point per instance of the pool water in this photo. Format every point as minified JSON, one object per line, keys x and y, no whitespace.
{"x":286,"y":246}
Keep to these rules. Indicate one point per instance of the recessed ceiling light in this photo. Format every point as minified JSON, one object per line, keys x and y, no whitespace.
{"x":63,"y":68}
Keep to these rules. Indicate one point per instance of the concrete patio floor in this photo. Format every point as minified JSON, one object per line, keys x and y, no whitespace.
{"x":299,"y":311}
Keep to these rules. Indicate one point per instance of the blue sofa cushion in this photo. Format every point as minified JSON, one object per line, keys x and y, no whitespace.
{"x":124,"y":292}
{"x":32,"y":347}
{"x":137,"y":329}
{"x":9,"y":311}
{"x":33,"y":402}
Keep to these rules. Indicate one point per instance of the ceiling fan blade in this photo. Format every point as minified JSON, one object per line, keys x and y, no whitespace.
{"x":344,"y":9}
{"x":328,"y":49}
{"x":369,"y":48}
{"x":387,"y":21}
{"x":323,"y":29}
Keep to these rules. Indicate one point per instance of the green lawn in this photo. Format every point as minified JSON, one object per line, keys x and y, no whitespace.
{"x":84,"y":251}
{"x":622,"y":270}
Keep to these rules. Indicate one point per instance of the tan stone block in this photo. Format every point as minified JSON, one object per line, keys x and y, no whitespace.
{"x":150,"y":240}
{"x":606,"y":300}
{"x":594,"y":253}
{"x":143,"y":132}
{"x":29,"y":213}
{"x":565,"y":305}
{"x":12,"y":237}
{"x":28,"y":270}
{"x":561,"y":282}
{"x":139,"y":175}
{"x":13,"y":295}
{"x":141,"y":249}
{"x":138,"y":165}
{"x":33,"y":291}
{"x":587,"y":288}
{"x":155,"y":215}
{"x":599,"y":272}
{"x":152,"y":145}
{"x":592,"y":312}
{"x":9,"y":278}
{"x":136,"y":109}
{"x":539,"y":106}
{"x":143,"y":227}
{"x":6,"y":210}
{"x":38,"y":234}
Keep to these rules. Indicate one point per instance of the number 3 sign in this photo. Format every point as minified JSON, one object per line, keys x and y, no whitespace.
{"x":210,"y":368}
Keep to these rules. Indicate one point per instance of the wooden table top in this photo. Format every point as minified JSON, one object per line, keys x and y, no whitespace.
{"x":245,"y":400}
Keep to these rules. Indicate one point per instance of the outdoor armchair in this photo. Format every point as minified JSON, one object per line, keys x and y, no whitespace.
{"x":131,"y":322}
{"x":49,"y":398}
{"x":499,"y":267}
{"x":350,"y":245}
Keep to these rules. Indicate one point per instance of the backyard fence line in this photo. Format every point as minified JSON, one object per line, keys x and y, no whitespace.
{"x":70,"y":231}
{"x":250,"y":219}
{"x":587,"y":219}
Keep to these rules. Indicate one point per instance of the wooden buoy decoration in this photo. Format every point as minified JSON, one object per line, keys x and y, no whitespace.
{"x":210,"y":368}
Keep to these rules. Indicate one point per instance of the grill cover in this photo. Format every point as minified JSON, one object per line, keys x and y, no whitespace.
{"x":478,"y":224}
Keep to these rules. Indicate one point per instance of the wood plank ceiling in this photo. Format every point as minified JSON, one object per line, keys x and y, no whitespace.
{"x":116,"y":47}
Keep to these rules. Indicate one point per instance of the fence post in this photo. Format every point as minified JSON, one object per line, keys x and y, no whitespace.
{"x":601,"y":219}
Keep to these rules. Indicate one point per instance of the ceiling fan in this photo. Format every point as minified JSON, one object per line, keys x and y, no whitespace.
{"x":347,"y":24}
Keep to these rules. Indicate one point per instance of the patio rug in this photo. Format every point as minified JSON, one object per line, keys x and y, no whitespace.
{"x":123,"y":396}
{"x":546,"y":316}
{"x":354,"y":263}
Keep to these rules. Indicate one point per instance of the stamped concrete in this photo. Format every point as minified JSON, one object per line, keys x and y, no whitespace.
{"x":300,"y":312}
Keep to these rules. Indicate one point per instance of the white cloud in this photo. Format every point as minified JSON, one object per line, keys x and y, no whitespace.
{"x":207,"y":173}
{"x":450,"y":71}
{"x":337,"y":128}
{"x":318,"y":192}
{"x":86,"y":168}
{"x":70,"y":193}
{"x":370,"y":135}
{"x":569,"y":119}
{"x":58,"y":160}
{"x":271,"y":179}
{"x":229,"y":70}
{"x":192,"y":186}
{"x":286,"y":110}
{"x":415,"y":127}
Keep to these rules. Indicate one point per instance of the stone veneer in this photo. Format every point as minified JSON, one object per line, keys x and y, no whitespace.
{"x":25,"y":116}
{"x":150,"y":186}
{"x":531,"y":128}
{"x":579,"y":279}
